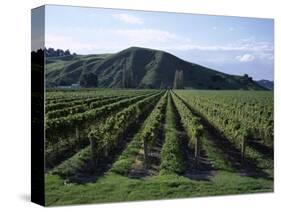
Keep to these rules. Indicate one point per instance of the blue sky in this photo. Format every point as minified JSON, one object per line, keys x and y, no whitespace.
{"x":232,"y":45}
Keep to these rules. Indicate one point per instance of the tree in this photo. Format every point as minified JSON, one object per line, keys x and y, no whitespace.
{"x":67,"y":52}
{"x":59,"y":52}
{"x":178,"y":80}
{"x":181,"y":79}
{"x":127,"y":76}
{"x":51,"y":52}
{"x":162,"y":86}
{"x":89,"y":80}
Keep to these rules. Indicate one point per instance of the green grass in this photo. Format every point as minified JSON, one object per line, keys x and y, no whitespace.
{"x":115,"y":188}
{"x":126,"y":159}
{"x":172,"y":160}
{"x":215,"y":155}
{"x":58,"y":65}
{"x":76,"y":163}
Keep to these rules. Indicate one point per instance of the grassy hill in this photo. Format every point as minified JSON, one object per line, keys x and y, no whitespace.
{"x":146,"y":68}
{"x":266,"y":84}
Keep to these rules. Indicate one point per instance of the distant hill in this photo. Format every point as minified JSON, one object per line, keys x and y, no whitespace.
{"x":266,"y":83}
{"x":142,"y":68}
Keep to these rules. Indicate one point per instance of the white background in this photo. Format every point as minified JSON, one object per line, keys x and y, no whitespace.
{"x":15,"y":104}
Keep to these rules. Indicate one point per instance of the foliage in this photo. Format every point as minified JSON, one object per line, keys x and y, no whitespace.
{"x":218,"y":120}
{"x":149,"y":133}
{"x":172,"y":160}
{"x":109,"y":135}
{"x":89,"y":80}
{"x":241,"y":117}
{"x":141,"y":68}
{"x":178,"y":80}
{"x":191,"y":123}
{"x":51,"y":52}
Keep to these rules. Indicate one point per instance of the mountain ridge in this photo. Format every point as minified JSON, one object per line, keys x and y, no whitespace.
{"x":268,"y":84}
{"x":137,"y":67}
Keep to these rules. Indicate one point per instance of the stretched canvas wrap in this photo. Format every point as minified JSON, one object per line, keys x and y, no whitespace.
{"x":135,"y":105}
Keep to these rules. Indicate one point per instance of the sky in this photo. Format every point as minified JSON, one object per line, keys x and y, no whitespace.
{"x":37,"y":29}
{"x":232,"y":45}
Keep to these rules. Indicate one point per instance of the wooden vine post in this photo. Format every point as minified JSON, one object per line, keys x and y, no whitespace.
{"x":77,"y":133}
{"x":244,"y":138}
{"x":146,"y":154}
{"x":197,"y":143}
{"x":93,"y":144}
{"x":196,"y":148}
{"x":243,"y":147}
{"x":106,"y":150}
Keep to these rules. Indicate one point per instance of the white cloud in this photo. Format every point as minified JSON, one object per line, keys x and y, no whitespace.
{"x":231,"y":28}
{"x":214,"y":28}
{"x":147,"y":35}
{"x":245,"y":58}
{"x":130,"y":19}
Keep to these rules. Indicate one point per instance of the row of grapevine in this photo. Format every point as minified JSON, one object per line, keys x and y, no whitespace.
{"x":61,"y":95}
{"x":61,"y":127}
{"x":251,"y":111}
{"x":83,"y":107}
{"x":234,"y":130}
{"x":63,"y":144}
{"x":68,"y":96}
{"x":172,"y":158}
{"x":191,"y":124}
{"x":105,"y":138}
{"x":63,"y":99}
{"x":257,"y":116}
{"x":53,"y":97}
{"x":63,"y":105}
{"x":152,"y":129}
{"x":201,"y":140}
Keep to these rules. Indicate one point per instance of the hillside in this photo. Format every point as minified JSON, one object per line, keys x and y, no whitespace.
{"x":142,"y":68}
{"x":266,"y":84}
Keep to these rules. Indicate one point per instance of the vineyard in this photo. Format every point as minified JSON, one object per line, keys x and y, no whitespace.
{"x":109,"y":145}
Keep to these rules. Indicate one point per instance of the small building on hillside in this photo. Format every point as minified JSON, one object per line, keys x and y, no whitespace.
{"x":72,"y":86}
{"x":75,"y":85}
{"x":63,"y":87}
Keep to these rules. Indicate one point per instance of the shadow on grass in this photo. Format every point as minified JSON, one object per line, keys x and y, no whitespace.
{"x":266,"y":151}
